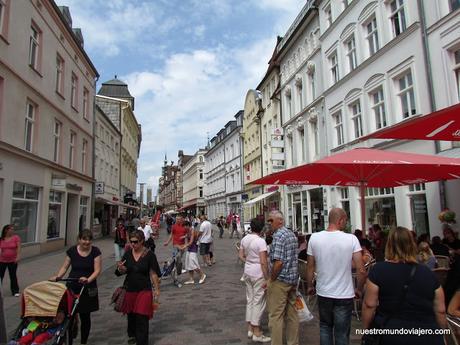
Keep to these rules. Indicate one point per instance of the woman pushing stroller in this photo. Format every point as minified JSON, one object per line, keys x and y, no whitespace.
{"x":85,"y":262}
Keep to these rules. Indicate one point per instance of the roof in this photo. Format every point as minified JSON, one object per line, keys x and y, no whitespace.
{"x":115,"y":88}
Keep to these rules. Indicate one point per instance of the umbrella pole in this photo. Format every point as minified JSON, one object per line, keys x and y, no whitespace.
{"x":362,"y":192}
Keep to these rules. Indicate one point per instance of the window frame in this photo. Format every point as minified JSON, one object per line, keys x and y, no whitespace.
{"x":351,"y":52}
{"x":339,"y":128}
{"x":456,"y":69}
{"x":72,"y":143}
{"x":85,"y":103}
{"x":334,"y":70}
{"x":378,"y":107}
{"x":409,"y":89}
{"x":35,"y":47}
{"x":372,"y":37}
{"x":60,"y":74}
{"x":356,"y":116}
{"x":74,"y":91}
{"x":29,"y":125}
{"x":84,"y":156}
{"x":57,"y":141}
{"x":395,"y":17}
{"x":4,"y":18}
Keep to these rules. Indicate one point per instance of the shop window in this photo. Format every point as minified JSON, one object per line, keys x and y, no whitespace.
{"x":84,"y":202}
{"x":24,"y":211}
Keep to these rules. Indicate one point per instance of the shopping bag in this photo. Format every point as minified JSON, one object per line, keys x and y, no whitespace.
{"x":302,"y":310}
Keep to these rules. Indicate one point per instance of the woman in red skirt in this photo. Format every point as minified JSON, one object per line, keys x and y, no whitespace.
{"x":141,"y":268}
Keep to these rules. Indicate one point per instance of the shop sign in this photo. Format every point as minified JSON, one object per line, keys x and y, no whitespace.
{"x":99,"y":188}
{"x":74,"y":186}
{"x":58,"y":182}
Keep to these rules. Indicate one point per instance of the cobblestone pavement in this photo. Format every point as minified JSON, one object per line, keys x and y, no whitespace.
{"x":202,"y":314}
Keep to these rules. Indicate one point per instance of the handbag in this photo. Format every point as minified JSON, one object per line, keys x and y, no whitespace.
{"x":374,"y":339}
{"x":118,"y":297}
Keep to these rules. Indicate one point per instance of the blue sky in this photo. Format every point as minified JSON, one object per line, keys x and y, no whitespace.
{"x":188,"y":63}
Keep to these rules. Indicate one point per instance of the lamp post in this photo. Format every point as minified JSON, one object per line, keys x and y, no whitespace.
{"x":141,"y":196}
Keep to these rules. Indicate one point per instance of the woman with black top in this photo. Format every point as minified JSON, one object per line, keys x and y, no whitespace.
{"x":85,"y":262}
{"x":141,"y":268}
{"x":391,"y":306}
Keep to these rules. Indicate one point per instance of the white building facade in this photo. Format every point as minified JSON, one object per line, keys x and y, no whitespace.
{"x":301,"y":89}
{"x":193,"y":184}
{"x":107,"y":140}
{"x":376,"y":75}
{"x":47,"y":86}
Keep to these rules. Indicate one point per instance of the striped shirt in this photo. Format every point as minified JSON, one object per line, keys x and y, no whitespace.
{"x":284,"y":249}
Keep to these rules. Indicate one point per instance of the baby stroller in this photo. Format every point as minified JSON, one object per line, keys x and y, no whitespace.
{"x":170,"y":269}
{"x":47,"y":314}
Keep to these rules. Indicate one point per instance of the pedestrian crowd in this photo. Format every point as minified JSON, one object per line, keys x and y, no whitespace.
{"x":392,"y":275}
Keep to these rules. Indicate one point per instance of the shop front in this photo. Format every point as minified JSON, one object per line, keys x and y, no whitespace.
{"x":305,"y":208}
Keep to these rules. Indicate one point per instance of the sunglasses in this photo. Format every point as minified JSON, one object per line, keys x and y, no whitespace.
{"x":270,"y":221}
{"x":134,"y":242}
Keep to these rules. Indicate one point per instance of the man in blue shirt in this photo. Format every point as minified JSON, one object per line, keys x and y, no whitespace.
{"x":281,"y":295}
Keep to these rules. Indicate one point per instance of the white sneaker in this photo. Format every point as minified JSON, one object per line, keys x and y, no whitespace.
{"x":201,"y":281}
{"x":187,"y":282}
{"x":261,"y":339}
{"x":250,"y":334}
{"x":17,"y":295}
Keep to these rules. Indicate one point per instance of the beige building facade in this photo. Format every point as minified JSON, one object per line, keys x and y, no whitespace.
{"x":193,"y":177}
{"x":47,"y":86}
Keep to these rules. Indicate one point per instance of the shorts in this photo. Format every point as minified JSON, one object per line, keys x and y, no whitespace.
{"x":204,"y":248}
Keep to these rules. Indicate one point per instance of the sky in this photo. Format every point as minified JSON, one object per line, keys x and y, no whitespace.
{"x":188,"y":63}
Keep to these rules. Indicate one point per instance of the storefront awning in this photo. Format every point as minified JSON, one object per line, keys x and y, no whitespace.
{"x":259,"y":198}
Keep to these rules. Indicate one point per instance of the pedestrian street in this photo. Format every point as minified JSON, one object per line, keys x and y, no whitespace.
{"x":211,"y":313}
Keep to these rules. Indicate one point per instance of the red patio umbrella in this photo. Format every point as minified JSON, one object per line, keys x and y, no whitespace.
{"x":364,"y":167}
{"x":443,"y":124}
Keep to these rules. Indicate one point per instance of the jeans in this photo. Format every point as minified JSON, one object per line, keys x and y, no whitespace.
{"x":12,"y":268}
{"x":334,"y":320}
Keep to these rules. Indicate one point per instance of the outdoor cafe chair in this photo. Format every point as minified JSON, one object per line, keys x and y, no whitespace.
{"x":441,"y":274}
{"x":443,"y":261}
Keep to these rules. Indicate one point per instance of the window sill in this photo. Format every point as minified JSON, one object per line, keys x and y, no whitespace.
{"x":60,"y":95}
{"x":4,"y":39}
{"x":35,"y":70}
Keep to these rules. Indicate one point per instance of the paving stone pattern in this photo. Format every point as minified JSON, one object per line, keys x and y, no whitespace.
{"x":202,"y":314}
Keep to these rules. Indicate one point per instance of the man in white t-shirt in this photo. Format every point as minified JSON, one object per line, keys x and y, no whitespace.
{"x":205,"y":239}
{"x":330,"y":255}
{"x":145,"y":228}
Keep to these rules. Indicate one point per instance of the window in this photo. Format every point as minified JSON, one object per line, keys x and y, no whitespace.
{"x":356,"y":118}
{"x":311,"y":79}
{"x":34,"y":47}
{"x":59,"y":74}
{"x":303,"y":151}
{"x":334,"y":67}
{"x":201,"y":174}
{"x":84,"y":202}
{"x":328,"y":15}
{"x":29,"y":126}
{"x":289,"y":105}
{"x":86,"y":104}
{"x":378,"y":108}
{"x":406,"y":95}
{"x":299,"y":95}
{"x":54,"y":214}
{"x":200,"y":191}
{"x":315,"y":134}
{"x":4,"y":5}
{"x":454,"y":5}
{"x":72,"y":149}
{"x":25,"y":210}
{"x":372,"y":36}
{"x":397,"y":17}
{"x":73,"y":91}
{"x":57,"y":141}
{"x":84,"y":155}
{"x":418,"y":187}
{"x":457,"y":70}
{"x":338,"y":125}
{"x":351,"y":53}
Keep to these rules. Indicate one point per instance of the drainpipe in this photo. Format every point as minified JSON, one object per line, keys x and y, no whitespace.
{"x":429,"y":77}
{"x":93,"y":167}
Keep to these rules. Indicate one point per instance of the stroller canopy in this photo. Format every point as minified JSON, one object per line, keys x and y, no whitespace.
{"x":43,"y":298}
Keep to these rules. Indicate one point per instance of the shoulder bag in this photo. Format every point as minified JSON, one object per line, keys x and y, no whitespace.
{"x":374,"y":339}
